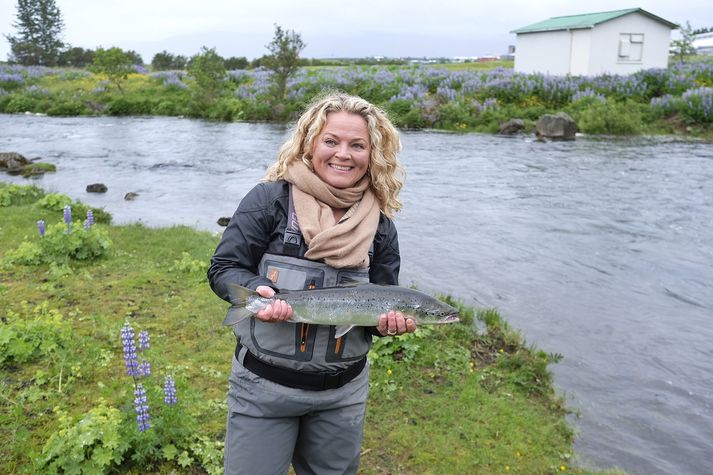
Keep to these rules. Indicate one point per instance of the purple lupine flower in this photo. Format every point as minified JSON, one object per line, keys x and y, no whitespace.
{"x":144,"y":368}
{"x":68,"y":217}
{"x":169,"y":391}
{"x":41,"y":227}
{"x":90,"y":220}
{"x":127,"y":339}
{"x":142,"y":408}
{"x":144,"y":340}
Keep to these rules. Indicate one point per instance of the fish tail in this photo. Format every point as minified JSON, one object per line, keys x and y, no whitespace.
{"x":235,"y":315}
{"x":240,"y":298}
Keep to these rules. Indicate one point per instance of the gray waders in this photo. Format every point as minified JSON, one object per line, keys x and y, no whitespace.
{"x":297,"y":394}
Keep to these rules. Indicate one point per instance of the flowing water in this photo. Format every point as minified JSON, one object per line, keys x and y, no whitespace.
{"x":598,"y":249}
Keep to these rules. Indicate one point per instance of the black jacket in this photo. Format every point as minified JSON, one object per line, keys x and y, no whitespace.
{"x":258,"y":227}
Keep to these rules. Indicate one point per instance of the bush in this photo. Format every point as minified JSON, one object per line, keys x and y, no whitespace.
{"x":19,"y":104}
{"x":610,"y":118}
{"x":93,"y":445}
{"x":4,"y":101}
{"x":697,"y":105}
{"x":223,"y":109}
{"x":32,"y":335}
{"x":54,"y":201}
{"x":126,"y":106}
{"x":67,"y":108}
{"x":12,"y":195}
{"x":59,"y":246}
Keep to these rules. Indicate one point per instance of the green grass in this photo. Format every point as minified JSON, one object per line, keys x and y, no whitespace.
{"x":479,"y":65}
{"x":445,"y":400}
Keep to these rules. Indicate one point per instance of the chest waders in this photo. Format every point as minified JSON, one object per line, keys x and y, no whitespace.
{"x":302,"y":355}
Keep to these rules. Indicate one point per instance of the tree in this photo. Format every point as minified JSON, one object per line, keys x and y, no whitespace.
{"x":239,"y":62}
{"x":700,"y":31}
{"x":684,"y":46}
{"x":39,"y":28}
{"x":283,"y":59}
{"x":115,"y":63}
{"x":165,"y":61}
{"x":208,"y":71}
{"x":135,"y":57}
{"x":76,"y":56}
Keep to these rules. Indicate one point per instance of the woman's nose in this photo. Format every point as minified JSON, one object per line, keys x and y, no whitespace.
{"x":342,"y":151}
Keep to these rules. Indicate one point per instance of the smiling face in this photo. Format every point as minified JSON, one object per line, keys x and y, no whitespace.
{"x":340,"y":153}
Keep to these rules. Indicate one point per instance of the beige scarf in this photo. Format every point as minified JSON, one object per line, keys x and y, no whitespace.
{"x":342,"y":244}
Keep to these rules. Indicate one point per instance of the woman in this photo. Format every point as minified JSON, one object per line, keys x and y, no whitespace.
{"x":321,"y":217}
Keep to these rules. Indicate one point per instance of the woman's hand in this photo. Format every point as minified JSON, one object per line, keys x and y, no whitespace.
{"x":395,"y":323}
{"x":278,"y":311}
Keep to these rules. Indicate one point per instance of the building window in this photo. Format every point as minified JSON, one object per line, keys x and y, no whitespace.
{"x":631,"y":47}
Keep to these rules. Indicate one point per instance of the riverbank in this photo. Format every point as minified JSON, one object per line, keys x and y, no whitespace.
{"x":446,"y":400}
{"x":463,"y":98}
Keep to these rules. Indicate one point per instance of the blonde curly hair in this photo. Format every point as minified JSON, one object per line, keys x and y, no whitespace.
{"x":384,"y":171}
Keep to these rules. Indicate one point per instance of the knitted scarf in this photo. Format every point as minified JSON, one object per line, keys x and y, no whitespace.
{"x":343,"y":244}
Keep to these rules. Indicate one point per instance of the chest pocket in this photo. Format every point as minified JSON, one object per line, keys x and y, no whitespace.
{"x":303,"y":342}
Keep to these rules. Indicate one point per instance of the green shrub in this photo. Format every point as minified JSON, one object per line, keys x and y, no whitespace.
{"x":254,"y":110}
{"x":4,"y":101}
{"x":455,"y":115}
{"x":406,"y":346}
{"x":130,"y":106}
{"x":614,"y":118}
{"x":58,"y":201}
{"x":187,"y":265}
{"x":54,"y":201}
{"x":32,"y":334}
{"x":60,"y":246}
{"x":696,"y":105}
{"x":94,"y":445}
{"x":67,"y":108}
{"x":11,"y":195}
{"x":223,"y":109}
{"x":20,"y":103}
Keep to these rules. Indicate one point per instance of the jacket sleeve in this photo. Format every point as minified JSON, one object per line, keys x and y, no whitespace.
{"x":244,"y":241}
{"x":386,"y":262}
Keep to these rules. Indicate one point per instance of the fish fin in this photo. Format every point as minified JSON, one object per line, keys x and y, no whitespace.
{"x":235,"y":315}
{"x":239,"y":295}
{"x":347,"y":281}
{"x":342,"y":330}
{"x":239,"y":298}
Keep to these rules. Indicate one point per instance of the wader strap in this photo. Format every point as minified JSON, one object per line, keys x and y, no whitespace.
{"x":300,"y":379}
{"x":293,"y":235}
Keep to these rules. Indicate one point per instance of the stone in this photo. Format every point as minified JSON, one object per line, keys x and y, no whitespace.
{"x":559,"y":126}
{"x":130,"y":196}
{"x":12,"y":161}
{"x":96,"y":188}
{"x":512,"y":127}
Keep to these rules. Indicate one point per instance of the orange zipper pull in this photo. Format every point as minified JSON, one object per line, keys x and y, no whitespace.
{"x":304,"y":330}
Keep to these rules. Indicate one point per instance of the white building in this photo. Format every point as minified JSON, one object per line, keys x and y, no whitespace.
{"x":703,"y":43}
{"x":616,"y":42}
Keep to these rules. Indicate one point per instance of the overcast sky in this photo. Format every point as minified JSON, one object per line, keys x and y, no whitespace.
{"x":356,"y":28}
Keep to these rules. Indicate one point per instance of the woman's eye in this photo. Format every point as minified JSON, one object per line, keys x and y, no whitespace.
{"x":359,"y":146}
{"x":330,"y":142}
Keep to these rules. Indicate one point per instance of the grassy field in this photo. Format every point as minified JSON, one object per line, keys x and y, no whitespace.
{"x":444,"y":400}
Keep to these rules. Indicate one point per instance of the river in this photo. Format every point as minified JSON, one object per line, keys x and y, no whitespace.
{"x":599,"y":249}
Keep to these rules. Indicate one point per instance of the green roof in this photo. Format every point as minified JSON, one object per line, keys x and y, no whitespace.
{"x":587,"y":20}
